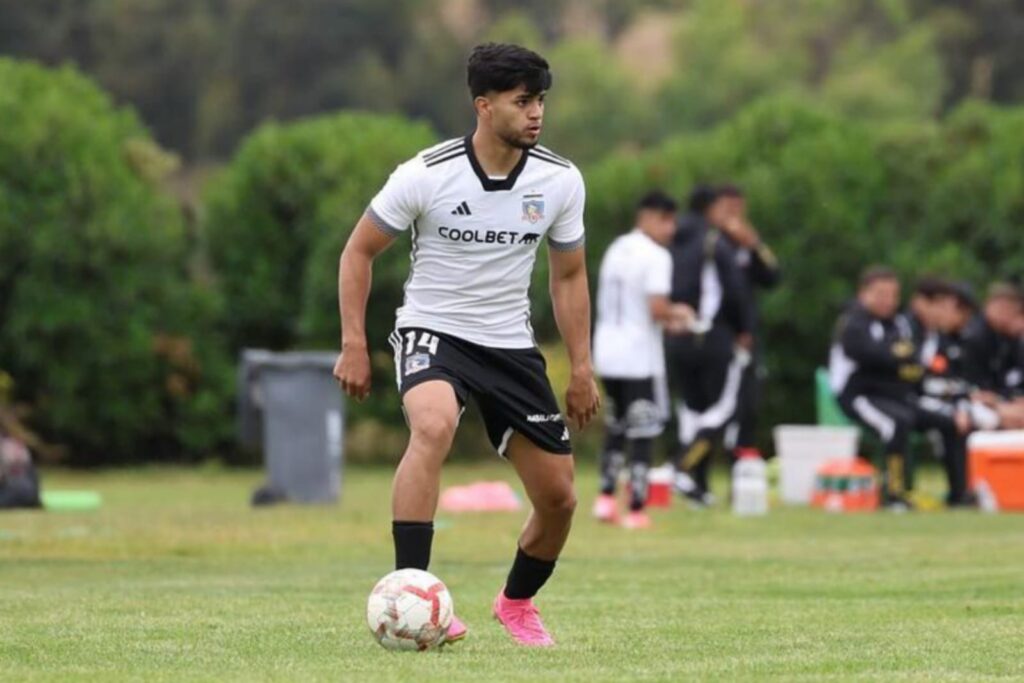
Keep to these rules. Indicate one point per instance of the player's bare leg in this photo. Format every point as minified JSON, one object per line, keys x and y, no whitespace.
{"x":433,"y":414}
{"x":548,"y":479}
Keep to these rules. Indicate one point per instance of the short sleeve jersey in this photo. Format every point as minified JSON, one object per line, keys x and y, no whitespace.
{"x":475,"y":238}
{"x":627,"y":339}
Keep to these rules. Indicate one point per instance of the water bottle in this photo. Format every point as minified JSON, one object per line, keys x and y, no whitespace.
{"x":749,"y":484}
{"x":986,"y":497}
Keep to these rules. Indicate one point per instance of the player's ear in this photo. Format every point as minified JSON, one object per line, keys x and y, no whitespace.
{"x":482,"y":105}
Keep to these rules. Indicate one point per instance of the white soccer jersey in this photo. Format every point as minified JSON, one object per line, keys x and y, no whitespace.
{"x":627,"y":339}
{"x":475,"y":238}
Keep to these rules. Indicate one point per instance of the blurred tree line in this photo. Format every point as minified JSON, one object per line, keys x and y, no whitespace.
{"x":203,"y":73}
{"x":863,"y":132}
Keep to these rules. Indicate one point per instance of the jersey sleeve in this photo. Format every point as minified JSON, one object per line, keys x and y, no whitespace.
{"x":658,"y":277}
{"x":401,"y":201}
{"x":566,"y":232}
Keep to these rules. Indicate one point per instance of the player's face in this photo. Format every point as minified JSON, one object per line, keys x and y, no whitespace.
{"x":718,"y":213}
{"x":1018,"y":326}
{"x":659,"y":225}
{"x":881,"y":298}
{"x":735,"y":206}
{"x":1002,"y":314}
{"x":927,"y":311}
{"x":516,"y":116}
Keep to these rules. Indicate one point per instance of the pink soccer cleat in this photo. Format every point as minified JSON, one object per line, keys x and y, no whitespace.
{"x":522,"y":621}
{"x":637,"y":520}
{"x":606,"y":509}
{"x":456,"y":631}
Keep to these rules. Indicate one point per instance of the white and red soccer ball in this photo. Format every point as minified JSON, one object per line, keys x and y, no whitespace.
{"x":410,"y":609}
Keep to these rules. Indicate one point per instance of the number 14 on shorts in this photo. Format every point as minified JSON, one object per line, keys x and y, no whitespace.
{"x":414,"y":362}
{"x":427,"y":341}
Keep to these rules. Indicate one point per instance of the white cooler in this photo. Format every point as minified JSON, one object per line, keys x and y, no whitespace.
{"x":801,"y":449}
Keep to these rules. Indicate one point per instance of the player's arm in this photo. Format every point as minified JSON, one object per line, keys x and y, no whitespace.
{"x":355,"y":273}
{"x":570,"y":298}
{"x":675,"y":317}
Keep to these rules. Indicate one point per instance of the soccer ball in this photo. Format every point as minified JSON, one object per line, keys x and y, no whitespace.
{"x":410,"y":609}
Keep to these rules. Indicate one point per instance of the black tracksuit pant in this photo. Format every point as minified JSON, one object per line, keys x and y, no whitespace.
{"x":705,"y":378}
{"x":894,"y":419}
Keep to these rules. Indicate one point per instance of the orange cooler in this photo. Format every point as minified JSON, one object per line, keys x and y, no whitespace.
{"x":844,"y":485}
{"x":995,"y":460}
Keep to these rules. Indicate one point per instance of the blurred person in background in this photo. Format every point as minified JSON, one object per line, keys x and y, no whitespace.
{"x":875,"y":372}
{"x":759,"y":269}
{"x":927,"y":313}
{"x":1011,"y":411}
{"x":633,"y":306}
{"x":992,"y":341}
{"x":19,"y":481}
{"x":706,"y":366}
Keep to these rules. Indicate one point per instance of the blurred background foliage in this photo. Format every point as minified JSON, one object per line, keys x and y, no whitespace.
{"x":178,"y":176}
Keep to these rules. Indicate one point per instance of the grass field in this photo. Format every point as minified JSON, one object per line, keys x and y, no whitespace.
{"x":175,"y":578}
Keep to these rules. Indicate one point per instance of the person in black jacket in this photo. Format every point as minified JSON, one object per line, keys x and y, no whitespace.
{"x":759,"y":269}
{"x":875,"y":372}
{"x":705,"y":366}
{"x":992,"y":342}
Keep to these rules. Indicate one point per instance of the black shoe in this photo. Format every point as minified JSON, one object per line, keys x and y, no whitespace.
{"x":966,"y":500}
{"x":898,"y":503}
{"x":697,"y":497}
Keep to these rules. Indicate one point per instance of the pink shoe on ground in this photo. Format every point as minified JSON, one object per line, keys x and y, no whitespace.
{"x":637,"y":520}
{"x":522,"y":621}
{"x":456,"y":631}
{"x":606,"y":509}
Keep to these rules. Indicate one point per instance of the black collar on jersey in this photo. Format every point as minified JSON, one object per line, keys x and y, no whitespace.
{"x":490,"y":184}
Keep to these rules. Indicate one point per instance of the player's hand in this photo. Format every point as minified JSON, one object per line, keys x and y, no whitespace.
{"x":963,"y":422}
{"x":582,"y":399}
{"x":681,"y":317}
{"x":353,"y":372}
{"x":741,"y":232}
{"x":988,"y":398}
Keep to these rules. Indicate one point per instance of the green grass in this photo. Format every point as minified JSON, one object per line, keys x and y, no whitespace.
{"x":175,"y":578}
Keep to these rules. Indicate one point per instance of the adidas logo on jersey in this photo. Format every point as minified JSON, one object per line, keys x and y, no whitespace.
{"x":462,"y":210}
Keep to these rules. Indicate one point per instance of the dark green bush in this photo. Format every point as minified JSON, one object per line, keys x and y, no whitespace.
{"x":104,"y":330}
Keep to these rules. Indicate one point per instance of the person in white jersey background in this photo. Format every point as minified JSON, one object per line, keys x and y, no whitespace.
{"x":632,"y":307}
{"x":477,"y":209}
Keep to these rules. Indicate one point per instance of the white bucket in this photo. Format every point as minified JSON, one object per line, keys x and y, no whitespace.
{"x":801,"y":449}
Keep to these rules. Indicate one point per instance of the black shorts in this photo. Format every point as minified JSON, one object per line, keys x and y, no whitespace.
{"x":637,"y":408}
{"x":510,"y":386}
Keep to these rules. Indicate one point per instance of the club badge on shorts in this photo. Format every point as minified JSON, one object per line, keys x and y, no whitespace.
{"x":416,"y":362}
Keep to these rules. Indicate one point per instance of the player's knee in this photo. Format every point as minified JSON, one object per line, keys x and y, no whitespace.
{"x":560,"y":501}
{"x":434,"y":430}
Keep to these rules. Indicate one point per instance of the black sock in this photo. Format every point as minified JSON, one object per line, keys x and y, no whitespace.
{"x":412,"y":544}
{"x":527,"y":577}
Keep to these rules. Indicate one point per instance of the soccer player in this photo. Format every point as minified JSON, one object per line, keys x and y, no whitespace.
{"x":478,"y":208}
{"x":632,"y":306}
{"x":759,"y":269}
{"x":705,"y":368}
